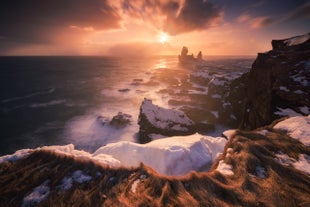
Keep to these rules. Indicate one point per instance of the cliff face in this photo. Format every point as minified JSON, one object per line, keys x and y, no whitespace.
{"x":278,"y":83}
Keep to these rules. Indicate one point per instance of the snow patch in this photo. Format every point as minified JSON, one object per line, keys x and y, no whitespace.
{"x":16,"y":156}
{"x":261,"y":172}
{"x":300,"y":79}
{"x":66,"y":183}
{"x":303,"y":163}
{"x":37,"y":195}
{"x":298,"y":92}
{"x":173,"y":156}
{"x":305,"y":110}
{"x":79,"y":177}
{"x":215,"y":113}
{"x":297,"y":40}
{"x":263,"y":132}
{"x":134,"y":185}
{"x":229,"y":133}
{"x":286,"y":112}
{"x":284,"y":159}
{"x":162,"y":118}
{"x":283,"y":88}
{"x":297,"y":127}
{"x":216,"y":96}
{"x":224,"y":168}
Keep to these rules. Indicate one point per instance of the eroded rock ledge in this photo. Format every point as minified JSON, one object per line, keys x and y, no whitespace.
{"x":155,"y":120}
{"x":278,"y":83}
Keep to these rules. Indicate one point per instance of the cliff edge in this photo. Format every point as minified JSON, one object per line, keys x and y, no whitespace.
{"x":279,"y":83}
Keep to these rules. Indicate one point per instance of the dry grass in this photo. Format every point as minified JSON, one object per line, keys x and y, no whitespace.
{"x":280,"y":186}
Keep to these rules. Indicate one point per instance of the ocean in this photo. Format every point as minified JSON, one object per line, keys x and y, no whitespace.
{"x":57,"y":100}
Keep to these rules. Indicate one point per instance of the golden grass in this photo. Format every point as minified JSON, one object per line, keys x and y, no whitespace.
{"x":280,"y":185}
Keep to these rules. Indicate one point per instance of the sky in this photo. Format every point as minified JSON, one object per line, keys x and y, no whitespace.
{"x":148,"y":27}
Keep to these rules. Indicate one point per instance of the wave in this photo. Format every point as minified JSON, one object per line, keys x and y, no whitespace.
{"x":46,"y":104}
{"x":47,"y":91}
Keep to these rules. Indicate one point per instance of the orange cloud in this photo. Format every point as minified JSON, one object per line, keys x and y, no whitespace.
{"x":172,"y":16}
{"x":255,"y":22}
{"x":260,"y":22}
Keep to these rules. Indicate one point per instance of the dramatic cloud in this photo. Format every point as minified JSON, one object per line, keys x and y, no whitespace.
{"x":173,"y":16}
{"x":42,"y":21}
{"x":194,"y":15}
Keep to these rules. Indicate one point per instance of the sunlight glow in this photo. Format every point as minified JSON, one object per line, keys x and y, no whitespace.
{"x":163,"y":38}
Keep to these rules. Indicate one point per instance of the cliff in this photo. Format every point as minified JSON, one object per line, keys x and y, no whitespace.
{"x":279,"y":83}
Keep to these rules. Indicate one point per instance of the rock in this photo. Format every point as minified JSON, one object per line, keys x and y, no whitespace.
{"x":278,"y":81}
{"x":121,"y":120}
{"x":168,"y":122}
{"x":157,"y":120}
{"x":185,"y":59}
{"x":123,"y":90}
{"x":199,"y":56}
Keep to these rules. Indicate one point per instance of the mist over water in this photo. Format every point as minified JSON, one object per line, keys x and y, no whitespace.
{"x":56,"y":100}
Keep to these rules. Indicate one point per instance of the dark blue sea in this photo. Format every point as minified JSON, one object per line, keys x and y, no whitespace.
{"x":56,"y":100}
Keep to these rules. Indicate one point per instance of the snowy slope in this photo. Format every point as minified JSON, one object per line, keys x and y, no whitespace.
{"x":297,"y":127}
{"x":170,"y":156}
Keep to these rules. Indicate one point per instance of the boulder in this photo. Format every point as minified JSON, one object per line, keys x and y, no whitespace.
{"x":168,"y":122}
{"x":278,"y":83}
{"x":157,"y":120}
{"x":121,"y":120}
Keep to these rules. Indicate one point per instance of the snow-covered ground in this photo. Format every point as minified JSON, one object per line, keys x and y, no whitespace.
{"x":297,"y":40}
{"x":171,"y":156}
{"x":297,"y":127}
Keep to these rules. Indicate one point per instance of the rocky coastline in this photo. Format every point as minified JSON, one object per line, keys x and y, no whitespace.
{"x":265,"y":162}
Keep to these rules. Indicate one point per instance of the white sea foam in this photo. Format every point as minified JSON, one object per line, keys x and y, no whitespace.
{"x":47,"y":104}
{"x":51,"y":90}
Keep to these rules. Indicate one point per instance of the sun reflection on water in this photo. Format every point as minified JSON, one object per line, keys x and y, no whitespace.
{"x":161,"y":64}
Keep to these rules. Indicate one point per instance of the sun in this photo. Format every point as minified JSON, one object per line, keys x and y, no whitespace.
{"x":163,"y":38}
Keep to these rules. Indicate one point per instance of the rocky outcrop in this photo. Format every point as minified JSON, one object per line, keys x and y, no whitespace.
{"x":187,"y":60}
{"x":224,"y":96}
{"x":167,"y":122}
{"x":118,"y":121}
{"x":121,"y":120}
{"x":278,"y":83}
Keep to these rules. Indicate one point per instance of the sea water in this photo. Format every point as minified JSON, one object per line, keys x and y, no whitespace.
{"x":57,"y":100}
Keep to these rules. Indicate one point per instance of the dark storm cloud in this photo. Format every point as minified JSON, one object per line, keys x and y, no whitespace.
{"x":194,"y":15}
{"x":175,"y":16}
{"x":39,"y":21}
